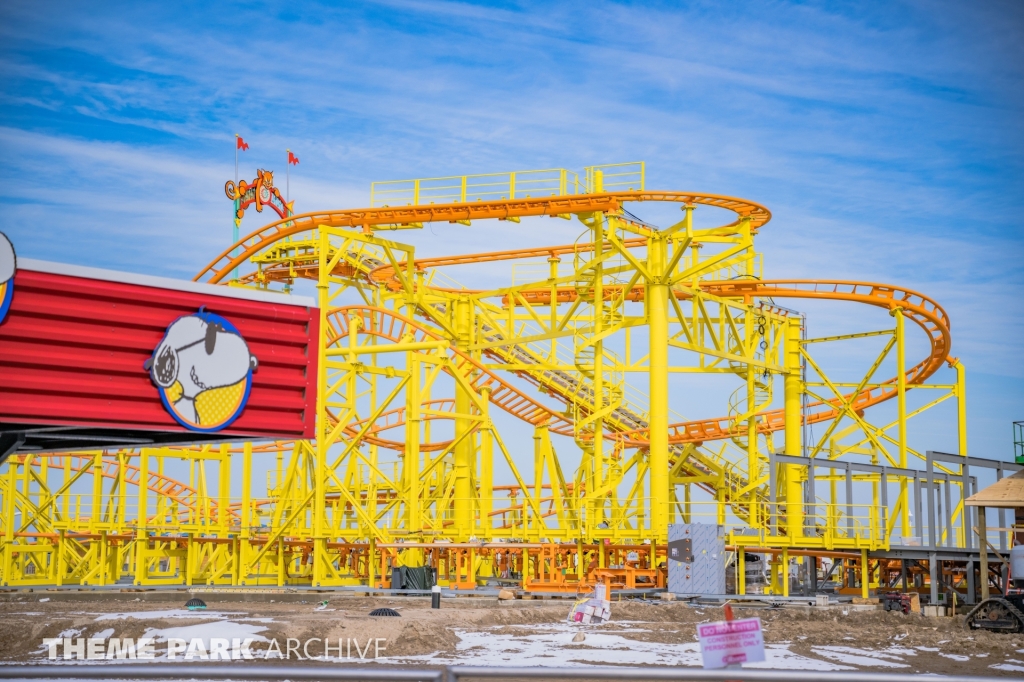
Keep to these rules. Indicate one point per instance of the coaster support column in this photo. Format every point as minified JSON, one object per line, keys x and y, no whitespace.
{"x":657,"y":317}
{"x":464,"y":454}
{"x":794,"y":387}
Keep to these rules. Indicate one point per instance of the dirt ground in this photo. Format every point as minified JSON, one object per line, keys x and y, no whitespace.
{"x":480,"y":631}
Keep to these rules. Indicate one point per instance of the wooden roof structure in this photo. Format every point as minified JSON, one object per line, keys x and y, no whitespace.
{"x":1007,"y":493}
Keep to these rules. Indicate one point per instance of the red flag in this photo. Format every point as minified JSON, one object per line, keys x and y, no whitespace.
{"x":292,"y":159}
{"x":240,"y":143}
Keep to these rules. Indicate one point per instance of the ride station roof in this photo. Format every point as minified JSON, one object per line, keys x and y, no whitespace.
{"x":1007,"y":493}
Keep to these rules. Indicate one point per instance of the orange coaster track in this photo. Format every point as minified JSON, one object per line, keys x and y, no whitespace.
{"x":923,"y":311}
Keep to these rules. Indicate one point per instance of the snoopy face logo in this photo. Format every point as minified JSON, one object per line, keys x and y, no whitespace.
{"x":8,"y":265}
{"x":203,"y":370}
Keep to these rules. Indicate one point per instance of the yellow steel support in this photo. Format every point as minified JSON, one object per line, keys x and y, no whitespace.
{"x":741,"y":571}
{"x":464,"y":454}
{"x":865,"y":574}
{"x":794,"y":428}
{"x":421,"y":383}
{"x":657,"y":317}
{"x":319,"y":496}
{"x":901,"y":416}
{"x":486,"y":468}
{"x":411,"y":463}
{"x":784,"y":572}
{"x":141,"y":532}
{"x":961,"y":406}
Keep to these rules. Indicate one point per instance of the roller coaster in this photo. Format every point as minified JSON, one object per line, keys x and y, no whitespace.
{"x":494,"y":434}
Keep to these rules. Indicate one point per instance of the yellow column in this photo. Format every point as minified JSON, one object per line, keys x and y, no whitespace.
{"x":486,"y":471}
{"x":538,"y":476}
{"x":223,"y":490}
{"x":901,"y":385}
{"x":865,"y":575}
{"x":901,"y":417}
{"x":104,"y":571}
{"x":741,"y":571}
{"x":281,"y":568}
{"x":66,"y":497}
{"x":247,"y":489}
{"x":141,"y":534}
{"x":97,"y":492}
{"x":961,"y":406}
{"x":322,"y":426}
{"x":784,"y":572}
{"x":657,"y":318}
{"x":122,"y":493}
{"x":411,"y":466}
{"x":370,"y":566}
{"x":793,"y":428}
{"x":243,"y":544}
{"x":61,"y":563}
{"x":752,"y":462}
{"x":961,"y":414}
{"x":9,"y":499}
{"x":464,"y":450}
{"x":597,"y":458}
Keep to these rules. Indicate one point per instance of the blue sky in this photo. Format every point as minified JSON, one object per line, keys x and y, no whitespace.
{"x":885,"y":137}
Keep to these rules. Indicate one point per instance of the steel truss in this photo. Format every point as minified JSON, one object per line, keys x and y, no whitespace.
{"x":426,"y":387}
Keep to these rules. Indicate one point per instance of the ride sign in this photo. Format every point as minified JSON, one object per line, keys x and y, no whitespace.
{"x":731,"y":642}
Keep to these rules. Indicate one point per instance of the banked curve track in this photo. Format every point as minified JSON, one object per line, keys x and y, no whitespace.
{"x":370,"y":218}
{"x":923,"y":311}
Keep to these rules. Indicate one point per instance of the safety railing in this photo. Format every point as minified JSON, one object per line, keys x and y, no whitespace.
{"x":818,"y":523}
{"x":1018,"y":442}
{"x":459,"y":189}
{"x":826,"y":525}
{"x":218,"y":671}
{"x":932,"y":515}
{"x":615,"y":177}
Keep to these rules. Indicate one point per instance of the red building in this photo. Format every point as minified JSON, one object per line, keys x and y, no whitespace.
{"x":96,"y":359}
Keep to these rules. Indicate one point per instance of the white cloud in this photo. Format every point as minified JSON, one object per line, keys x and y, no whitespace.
{"x":885,"y":141}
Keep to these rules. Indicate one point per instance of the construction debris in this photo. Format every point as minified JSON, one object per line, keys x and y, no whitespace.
{"x":592,"y":610}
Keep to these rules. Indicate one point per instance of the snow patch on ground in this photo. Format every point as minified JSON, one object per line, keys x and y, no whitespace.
{"x":779,"y":657}
{"x":224,"y":629}
{"x":69,"y":634}
{"x":552,"y":646}
{"x":956,"y":657}
{"x":169,"y":613}
{"x":860,"y":657}
{"x":180,"y":613}
{"x":1008,"y":667}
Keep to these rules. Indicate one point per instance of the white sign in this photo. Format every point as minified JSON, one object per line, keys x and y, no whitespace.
{"x":730,"y":642}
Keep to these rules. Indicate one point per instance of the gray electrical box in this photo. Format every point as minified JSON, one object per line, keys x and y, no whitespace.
{"x":696,"y":558}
